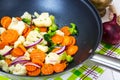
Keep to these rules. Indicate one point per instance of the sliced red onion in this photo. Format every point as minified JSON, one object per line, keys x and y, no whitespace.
{"x":33,"y":44}
{"x":61,"y":50}
{"x":20,"y":61}
{"x":8,"y":52}
{"x":30,"y":63}
{"x":19,"y":58}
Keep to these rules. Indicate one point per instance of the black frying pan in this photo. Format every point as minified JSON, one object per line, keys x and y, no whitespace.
{"x":80,"y":12}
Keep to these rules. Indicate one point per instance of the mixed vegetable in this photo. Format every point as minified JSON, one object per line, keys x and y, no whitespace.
{"x":34,"y":45}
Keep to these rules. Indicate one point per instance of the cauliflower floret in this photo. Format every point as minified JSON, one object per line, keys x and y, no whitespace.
{"x":30,"y":49}
{"x":43,"y":33}
{"x":20,"y":40}
{"x":4,"y":66}
{"x":18,"y":69}
{"x":19,"y":26}
{"x":36,"y":14}
{"x":59,"y":32}
{"x":42,"y":48}
{"x":44,"y":42}
{"x":5,"y":49}
{"x":43,"y":20}
{"x":52,"y":58}
{"x":26,"y":15}
{"x":10,"y":57}
{"x":27,"y":56}
{"x":2,"y":30}
{"x":33,"y":36}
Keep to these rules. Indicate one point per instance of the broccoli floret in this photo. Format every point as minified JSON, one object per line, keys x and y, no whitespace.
{"x":69,"y":58}
{"x":1,"y":57}
{"x":47,"y":37}
{"x":66,"y":57}
{"x":73,"y":29}
{"x":53,"y":27}
{"x":28,"y":21}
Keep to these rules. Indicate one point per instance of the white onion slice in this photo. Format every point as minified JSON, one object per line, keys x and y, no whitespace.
{"x":8,"y":52}
{"x":20,"y":61}
{"x":33,"y":44}
{"x":61,"y":50}
{"x":30,"y":63}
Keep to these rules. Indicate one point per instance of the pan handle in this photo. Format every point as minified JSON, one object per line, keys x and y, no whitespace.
{"x":107,"y":61}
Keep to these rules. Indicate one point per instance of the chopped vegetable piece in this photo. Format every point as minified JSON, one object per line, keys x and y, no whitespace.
{"x":69,"y":58}
{"x":59,"y":67}
{"x":5,"y":21}
{"x":9,"y":36}
{"x":47,"y":69}
{"x":28,"y":21}
{"x":57,"y":39}
{"x":34,"y":73}
{"x":16,"y":52}
{"x":73,"y":29}
{"x":65,"y":30}
{"x":71,"y":50}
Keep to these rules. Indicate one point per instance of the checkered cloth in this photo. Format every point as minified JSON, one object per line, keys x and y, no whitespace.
{"x":88,"y":70}
{"x":109,"y":50}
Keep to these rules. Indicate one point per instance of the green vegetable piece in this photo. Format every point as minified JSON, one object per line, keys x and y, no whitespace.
{"x":73,"y":29}
{"x":53,"y":27}
{"x":51,"y":47}
{"x":51,"y":33}
{"x":37,"y":29}
{"x":69,"y":58}
{"x":1,"y":57}
{"x":52,"y":18}
{"x":28,"y":21}
{"x":63,"y":56}
{"x":47,"y":37}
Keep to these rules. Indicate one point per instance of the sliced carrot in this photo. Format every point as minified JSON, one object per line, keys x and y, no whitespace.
{"x":19,"y":18}
{"x":30,"y":68}
{"x":22,"y":47}
{"x":5,"y":21}
{"x":47,"y":69}
{"x":3,"y":44}
{"x":71,"y":50}
{"x":26,"y":31}
{"x":9,"y":36}
{"x":16,"y":52}
{"x":57,"y":39}
{"x":38,"y":54}
{"x":34,"y":73}
{"x":8,"y":61}
{"x":43,"y":29}
{"x":73,"y":40}
{"x":32,"y":27}
{"x":37,"y":61}
{"x":65,"y":30}
{"x":59,"y":67}
{"x":66,"y":41}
